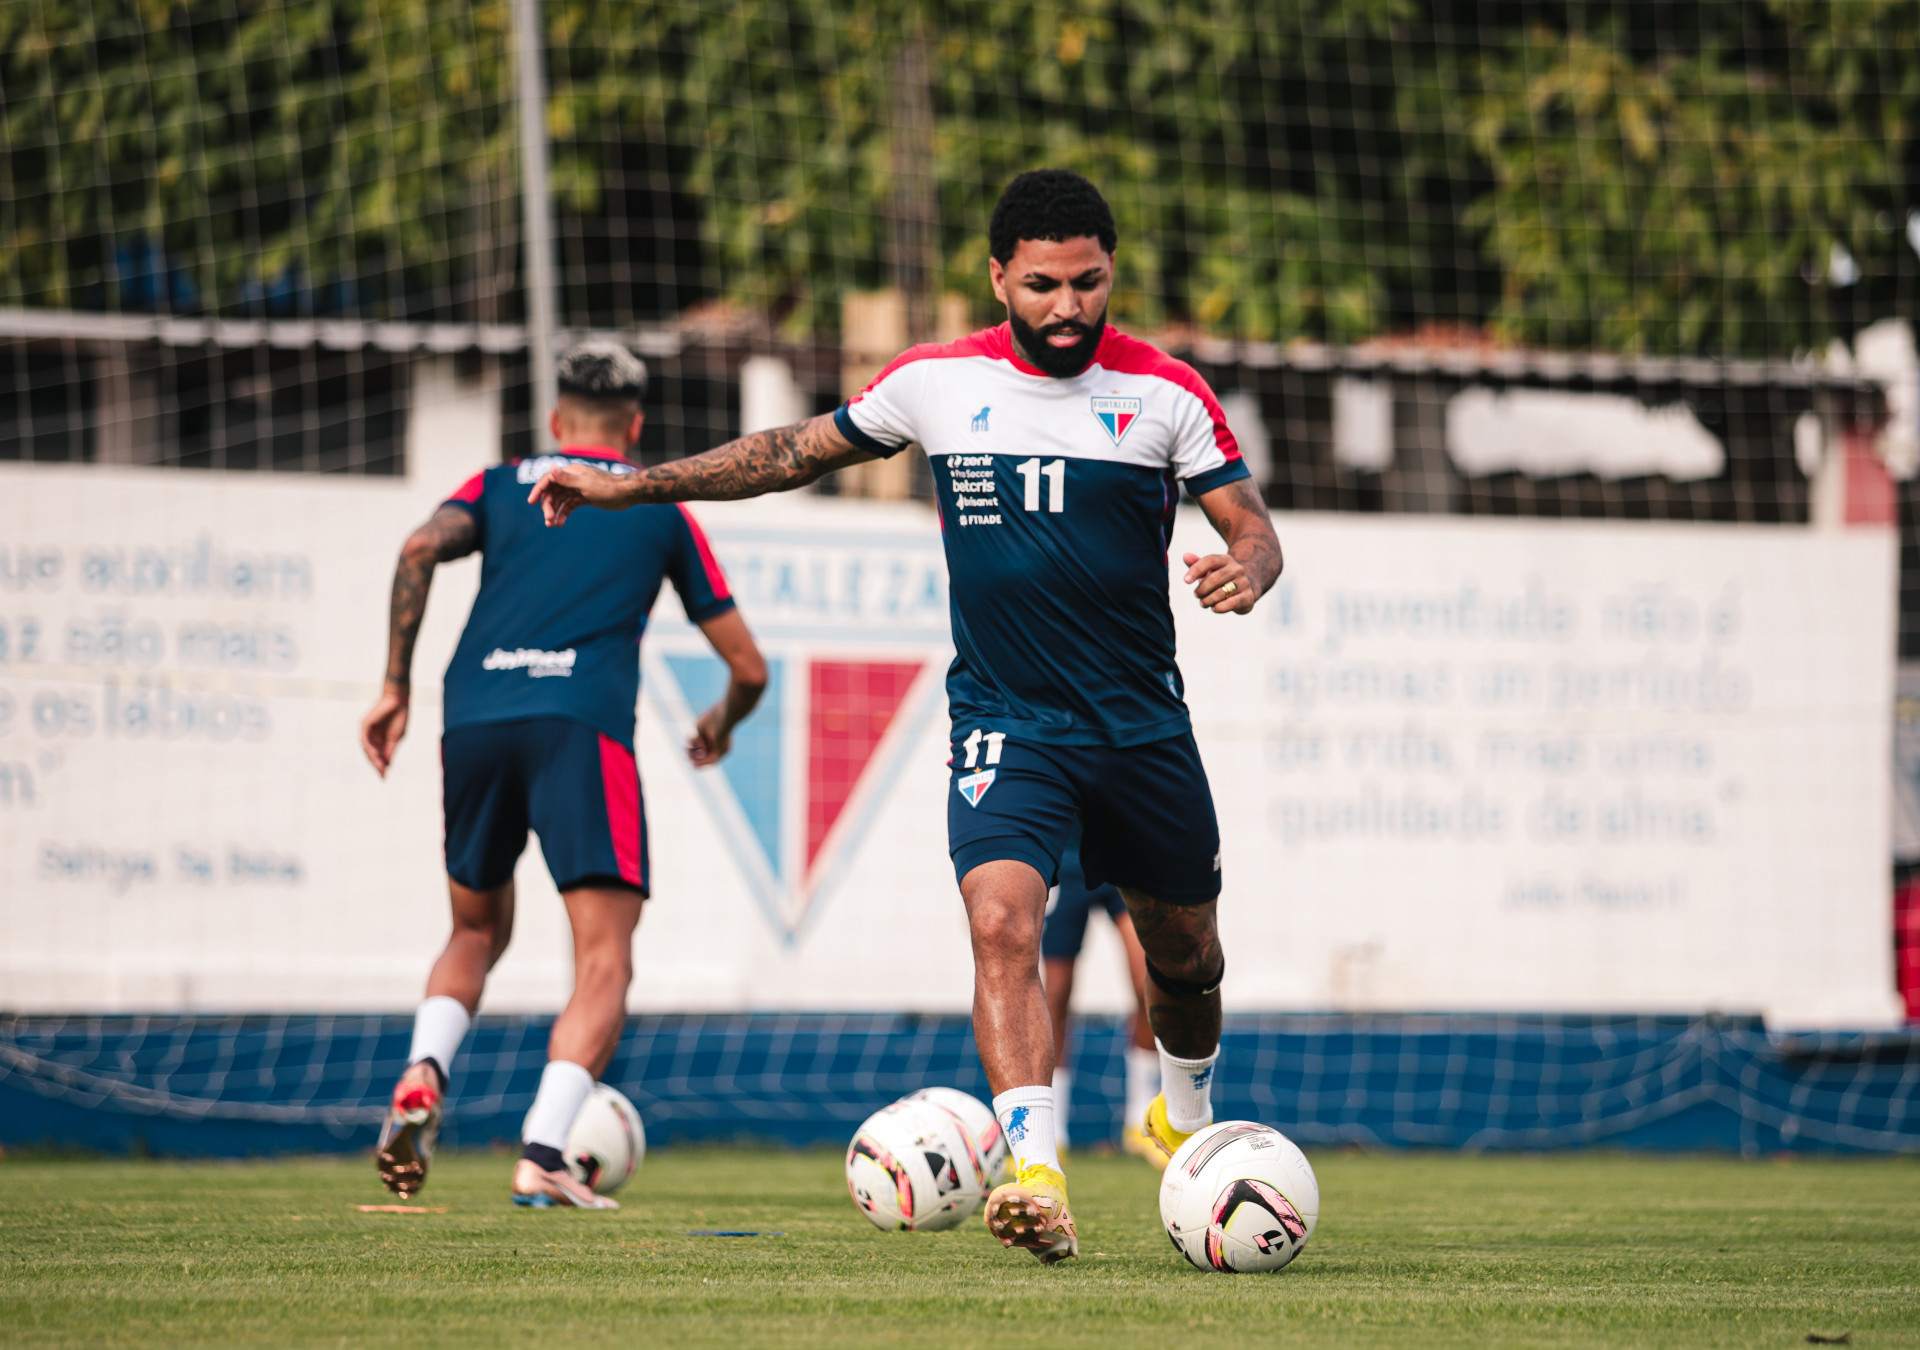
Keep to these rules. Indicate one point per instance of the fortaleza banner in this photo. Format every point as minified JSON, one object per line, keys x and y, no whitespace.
{"x":1489,"y":765}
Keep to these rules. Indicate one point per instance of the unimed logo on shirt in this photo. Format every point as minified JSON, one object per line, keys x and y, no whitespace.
{"x":536,"y":663}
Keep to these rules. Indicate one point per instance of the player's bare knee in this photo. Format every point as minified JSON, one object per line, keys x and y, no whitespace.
{"x":604,"y":968}
{"x":1005,"y":932}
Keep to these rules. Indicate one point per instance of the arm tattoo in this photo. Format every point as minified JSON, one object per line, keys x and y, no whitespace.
{"x":448,"y":535}
{"x":1248,"y":531}
{"x":766,"y":461}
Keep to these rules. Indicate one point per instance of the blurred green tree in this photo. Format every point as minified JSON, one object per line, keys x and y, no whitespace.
{"x":1604,"y":175}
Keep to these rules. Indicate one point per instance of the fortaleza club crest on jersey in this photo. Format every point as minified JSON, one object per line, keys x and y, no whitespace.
{"x":809,"y":771}
{"x":1116,"y":414}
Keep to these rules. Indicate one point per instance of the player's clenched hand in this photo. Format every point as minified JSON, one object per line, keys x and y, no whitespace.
{"x":711,"y":738}
{"x":568,"y":486}
{"x":1220,"y":583}
{"x":381,"y":729}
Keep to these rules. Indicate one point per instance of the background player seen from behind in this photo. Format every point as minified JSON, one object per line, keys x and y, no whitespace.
{"x":1059,"y":448}
{"x":539,"y":722}
{"x":1070,"y":905}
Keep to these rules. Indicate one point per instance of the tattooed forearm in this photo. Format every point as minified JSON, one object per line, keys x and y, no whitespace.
{"x":766,"y":461}
{"x":448,"y":535}
{"x":1240,"y":516}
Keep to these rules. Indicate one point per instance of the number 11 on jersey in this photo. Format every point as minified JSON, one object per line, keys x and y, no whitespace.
{"x":1031,"y":471}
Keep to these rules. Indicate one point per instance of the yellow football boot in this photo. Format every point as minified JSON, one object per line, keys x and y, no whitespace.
{"x":1031,"y":1212}
{"x":1161,"y":1136}
{"x":1134,"y":1140}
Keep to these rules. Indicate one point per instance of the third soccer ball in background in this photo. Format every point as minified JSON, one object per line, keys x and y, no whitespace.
{"x":607,"y":1141}
{"x":910,"y":1167}
{"x":982,"y":1127}
{"x":1239,"y":1197}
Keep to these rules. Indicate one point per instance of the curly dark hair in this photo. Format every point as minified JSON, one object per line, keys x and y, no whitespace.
{"x":1055,"y":204}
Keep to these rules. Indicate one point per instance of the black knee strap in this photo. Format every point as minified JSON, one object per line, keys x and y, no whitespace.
{"x":1187,"y":988}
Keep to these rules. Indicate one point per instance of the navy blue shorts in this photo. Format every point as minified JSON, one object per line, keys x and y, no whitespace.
{"x":1070,"y":902}
{"x":578,"y":789}
{"x":1146,"y":813}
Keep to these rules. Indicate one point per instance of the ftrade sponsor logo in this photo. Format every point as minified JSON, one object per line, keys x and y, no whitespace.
{"x":538,"y":664}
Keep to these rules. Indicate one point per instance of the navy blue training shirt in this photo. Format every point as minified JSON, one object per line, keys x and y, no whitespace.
{"x":555,"y":629}
{"x":1056,"y":507}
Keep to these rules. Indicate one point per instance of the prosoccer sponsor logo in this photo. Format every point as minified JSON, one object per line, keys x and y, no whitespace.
{"x":1017,"y":1125}
{"x":538,"y":664}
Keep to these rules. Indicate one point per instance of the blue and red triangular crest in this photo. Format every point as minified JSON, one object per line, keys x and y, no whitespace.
{"x":808,"y":770}
{"x":1116,"y":413}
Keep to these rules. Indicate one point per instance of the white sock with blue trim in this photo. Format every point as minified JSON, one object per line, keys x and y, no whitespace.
{"x":1026,"y":1117}
{"x":1188,"y":1087}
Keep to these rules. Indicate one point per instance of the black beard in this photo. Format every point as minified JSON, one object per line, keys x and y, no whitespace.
{"x":1063,"y":363}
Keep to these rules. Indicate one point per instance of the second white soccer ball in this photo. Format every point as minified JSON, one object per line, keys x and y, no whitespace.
{"x":607,"y":1143}
{"x":1239,"y":1197}
{"x":909,"y":1168}
{"x":982,"y":1130}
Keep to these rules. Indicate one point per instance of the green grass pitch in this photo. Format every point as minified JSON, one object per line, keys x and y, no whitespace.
{"x":1434,"y":1250}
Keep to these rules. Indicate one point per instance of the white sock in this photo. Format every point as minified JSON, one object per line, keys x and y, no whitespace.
{"x":1143,"y":1081}
{"x":563,"y":1091}
{"x":439,"y":1025}
{"x":1062,"y":1104}
{"x":1026,"y":1117}
{"x":1188,"y":1085}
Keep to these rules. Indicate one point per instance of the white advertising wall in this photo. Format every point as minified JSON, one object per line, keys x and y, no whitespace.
{"x":1485,"y":765}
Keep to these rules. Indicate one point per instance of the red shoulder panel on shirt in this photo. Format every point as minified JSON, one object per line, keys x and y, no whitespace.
{"x":470,"y":490}
{"x":994,"y":343}
{"x":708,"y":563}
{"x":1131,"y":356}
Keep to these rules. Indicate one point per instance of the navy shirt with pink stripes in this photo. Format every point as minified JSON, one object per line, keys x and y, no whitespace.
{"x":555,"y":629}
{"x":1056,"y":505}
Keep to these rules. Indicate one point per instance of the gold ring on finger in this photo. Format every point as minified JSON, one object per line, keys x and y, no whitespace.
{"x":1231,"y":588}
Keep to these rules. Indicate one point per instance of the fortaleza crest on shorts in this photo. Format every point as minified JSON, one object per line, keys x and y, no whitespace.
{"x":1116,"y":414}
{"x":974,"y":786}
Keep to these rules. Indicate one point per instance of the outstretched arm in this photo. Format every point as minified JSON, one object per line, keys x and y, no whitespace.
{"x":766,"y":461}
{"x":450,"y":533}
{"x":746,"y":681}
{"x":1230,"y":582}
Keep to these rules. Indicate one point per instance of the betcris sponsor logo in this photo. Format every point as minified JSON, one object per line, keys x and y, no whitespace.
{"x":538,"y":664}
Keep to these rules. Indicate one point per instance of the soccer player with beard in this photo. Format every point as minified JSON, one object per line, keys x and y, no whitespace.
{"x":1059,"y":448}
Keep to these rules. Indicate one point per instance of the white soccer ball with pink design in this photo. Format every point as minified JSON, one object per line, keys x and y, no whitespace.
{"x":1239,"y":1197}
{"x":910,"y":1168}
